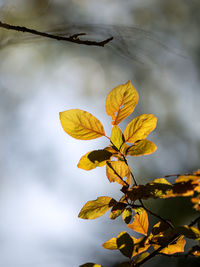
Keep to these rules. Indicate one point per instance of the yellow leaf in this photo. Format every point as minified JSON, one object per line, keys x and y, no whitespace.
{"x":178,"y":246}
{"x":140,"y":245}
{"x":141,"y":257}
{"x":117,"y":170}
{"x":90,"y":264}
{"x":141,"y":147}
{"x":140,"y":127}
{"x":93,"y":159}
{"x":117,"y":210}
{"x":140,"y":223}
{"x":96,"y":208}
{"x":81,"y":124}
{"x":117,"y":137}
{"x":121,"y":102}
{"x":111,"y":244}
{"x":127,"y":215}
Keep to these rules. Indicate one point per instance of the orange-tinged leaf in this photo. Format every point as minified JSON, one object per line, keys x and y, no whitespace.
{"x":81,"y":124}
{"x":178,"y":246}
{"x":195,"y":251}
{"x":140,"y":245}
{"x":117,"y":137}
{"x":117,"y":170}
{"x":93,"y":159}
{"x":96,"y":208}
{"x":90,"y":264}
{"x":141,"y":147}
{"x":111,"y":244}
{"x":121,"y":102}
{"x":140,"y":223}
{"x":140,"y":127}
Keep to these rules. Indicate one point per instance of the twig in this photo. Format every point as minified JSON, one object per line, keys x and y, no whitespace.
{"x":73,"y":38}
{"x":171,"y":240}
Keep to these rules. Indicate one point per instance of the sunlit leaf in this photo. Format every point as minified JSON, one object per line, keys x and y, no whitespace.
{"x":140,"y":127}
{"x":96,"y":208}
{"x":117,"y":137}
{"x":127,"y":215}
{"x":89,"y":264}
{"x":141,"y":257}
{"x":117,"y":210}
{"x":140,"y":245}
{"x":81,"y":124}
{"x":178,"y":246}
{"x":121,"y":102}
{"x":140,"y":223}
{"x":111,"y":244}
{"x":93,"y":159}
{"x":188,"y":231}
{"x":125,"y":244}
{"x":195,"y":251}
{"x":141,"y":147}
{"x":117,"y":170}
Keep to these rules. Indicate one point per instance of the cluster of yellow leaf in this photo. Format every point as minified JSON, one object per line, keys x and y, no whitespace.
{"x":184,"y":186}
{"x":120,"y":103}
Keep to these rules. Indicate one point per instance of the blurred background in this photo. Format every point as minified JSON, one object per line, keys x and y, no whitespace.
{"x":156,"y":45}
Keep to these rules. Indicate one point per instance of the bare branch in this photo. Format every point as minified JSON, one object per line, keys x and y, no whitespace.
{"x":72,"y":38}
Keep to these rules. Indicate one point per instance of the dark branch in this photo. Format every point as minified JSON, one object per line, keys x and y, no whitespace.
{"x":73,"y":38}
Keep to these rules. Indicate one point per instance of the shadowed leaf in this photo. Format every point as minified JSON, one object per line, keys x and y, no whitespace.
{"x":127,"y":215}
{"x":140,"y":127}
{"x":141,"y":147}
{"x":93,"y":159}
{"x":188,"y":231}
{"x":121,"y":102}
{"x":117,"y":210}
{"x":96,"y":208}
{"x":81,"y":124}
{"x":125,"y":244}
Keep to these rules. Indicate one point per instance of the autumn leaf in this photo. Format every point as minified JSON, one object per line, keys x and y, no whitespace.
{"x":111,"y":244}
{"x":195,"y":251}
{"x":141,"y":257}
{"x":125,"y":244}
{"x":141,"y":147}
{"x":140,"y":223}
{"x":93,"y":159}
{"x":127,"y":215}
{"x":117,"y":210}
{"x":96,"y":208}
{"x":188,"y":231}
{"x":81,"y":124}
{"x":140,"y":127}
{"x":90,"y":264}
{"x":121,"y":102}
{"x":178,"y":246}
{"x":117,"y":170}
{"x":117,"y":137}
{"x":140,"y":245}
